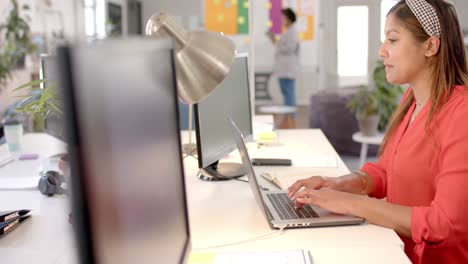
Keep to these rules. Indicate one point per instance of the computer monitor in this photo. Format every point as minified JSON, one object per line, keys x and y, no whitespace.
{"x":53,"y":124}
{"x":128,"y":191}
{"x":231,"y":99}
{"x":48,"y":70}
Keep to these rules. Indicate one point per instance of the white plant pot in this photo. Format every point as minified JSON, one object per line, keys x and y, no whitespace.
{"x":368,"y":125}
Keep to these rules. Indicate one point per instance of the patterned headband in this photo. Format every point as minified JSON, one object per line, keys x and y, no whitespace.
{"x":426,"y":15}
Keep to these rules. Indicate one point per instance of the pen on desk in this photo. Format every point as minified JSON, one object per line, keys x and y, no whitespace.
{"x":6,"y":227}
{"x":6,"y":161}
{"x":310,"y":257}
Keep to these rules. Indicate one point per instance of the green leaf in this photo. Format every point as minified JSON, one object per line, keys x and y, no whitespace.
{"x":56,"y":108}
{"x":29,"y":84}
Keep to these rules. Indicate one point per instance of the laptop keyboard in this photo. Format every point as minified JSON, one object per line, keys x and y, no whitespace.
{"x":284,"y":206}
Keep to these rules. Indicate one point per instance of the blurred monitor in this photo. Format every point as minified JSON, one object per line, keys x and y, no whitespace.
{"x":128,"y":191}
{"x":231,"y":99}
{"x":53,"y":124}
{"x":48,"y":70}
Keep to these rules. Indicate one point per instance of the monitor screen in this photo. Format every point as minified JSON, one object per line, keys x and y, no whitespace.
{"x":127,"y":177}
{"x":54,"y":121}
{"x":231,"y":99}
{"x":48,"y":69}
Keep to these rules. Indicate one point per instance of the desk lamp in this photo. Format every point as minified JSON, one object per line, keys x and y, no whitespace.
{"x":202,"y":61}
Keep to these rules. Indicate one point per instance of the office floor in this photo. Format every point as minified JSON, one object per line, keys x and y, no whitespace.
{"x":302,"y":121}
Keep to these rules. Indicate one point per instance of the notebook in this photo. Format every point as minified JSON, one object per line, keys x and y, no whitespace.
{"x":271,"y":257}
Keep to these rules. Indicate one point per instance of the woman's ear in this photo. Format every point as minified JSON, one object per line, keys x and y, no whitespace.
{"x":432,"y":46}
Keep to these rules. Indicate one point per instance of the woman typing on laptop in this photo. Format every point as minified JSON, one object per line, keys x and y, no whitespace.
{"x":423,"y":165}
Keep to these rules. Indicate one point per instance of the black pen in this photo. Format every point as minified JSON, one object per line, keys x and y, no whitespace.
{"x":9,"y":215}
{"x":6,"y":227}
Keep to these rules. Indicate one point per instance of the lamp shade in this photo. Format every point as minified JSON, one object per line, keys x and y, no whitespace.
{"x":202,"y":58}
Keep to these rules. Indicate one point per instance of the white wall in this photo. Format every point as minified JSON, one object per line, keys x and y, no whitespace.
{"x":43,"y":17}
{"x":328,"y":56}
{"x":307,"y":81}
{"x":178,"y":8}
{"x":462,"y":11}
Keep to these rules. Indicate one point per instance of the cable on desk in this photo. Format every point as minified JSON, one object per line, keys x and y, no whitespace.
{"x":263,"y":188}
{"x":241,"y":180}
{"x":266,"y":236}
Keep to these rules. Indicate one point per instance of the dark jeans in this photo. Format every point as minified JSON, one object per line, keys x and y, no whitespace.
{"x":288,"y":90}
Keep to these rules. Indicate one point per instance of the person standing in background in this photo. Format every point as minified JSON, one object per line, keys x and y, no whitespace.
{"x":286,"y":65}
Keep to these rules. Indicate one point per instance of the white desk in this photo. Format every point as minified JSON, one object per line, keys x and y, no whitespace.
{"x":47,"y":236}
{"x":226,"y":212}
{"x":220,"y":212}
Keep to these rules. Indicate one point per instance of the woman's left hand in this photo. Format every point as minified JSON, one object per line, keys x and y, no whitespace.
{"x":329,"y":199}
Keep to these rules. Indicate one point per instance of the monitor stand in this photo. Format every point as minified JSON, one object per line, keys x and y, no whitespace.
{"x":221,"y":171}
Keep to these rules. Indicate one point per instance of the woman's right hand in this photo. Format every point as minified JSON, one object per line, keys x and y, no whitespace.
{"x":314,"y":182}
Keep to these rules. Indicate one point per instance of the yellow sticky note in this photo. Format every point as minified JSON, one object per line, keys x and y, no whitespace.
{"x":268,"y":5}
{"x":234,"y":2}
{"x":269,"y":24}
{"x":241,"y":20}
{"x":220,"y":17}
{"x":202,"y":258}
{"x":266,"y":137}
{"x":246,"y":4}
{"x":217,"y":2}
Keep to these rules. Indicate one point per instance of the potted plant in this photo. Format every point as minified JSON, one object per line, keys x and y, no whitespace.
{"x":365,"y":105}
{"x":375,"y":105}
{"x":15,"y":42}
{"x":388,"y":95}
{"x":39,"y":102}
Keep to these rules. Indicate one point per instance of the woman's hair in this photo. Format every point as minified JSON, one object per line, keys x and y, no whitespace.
{"x":289,"y":14}
{"x":449,"y":64}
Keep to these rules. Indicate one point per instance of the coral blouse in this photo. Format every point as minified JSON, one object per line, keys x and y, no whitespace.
{"x":430,"y":174}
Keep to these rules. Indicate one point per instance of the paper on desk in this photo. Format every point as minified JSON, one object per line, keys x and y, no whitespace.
{"x":273,"y":257}
{"x":19,"y":175}
{"x":23,"y":183}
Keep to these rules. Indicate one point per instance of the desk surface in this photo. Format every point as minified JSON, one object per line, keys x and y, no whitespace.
{"x":220,"y":213}
{"x":226,"y":212}
{"x":47,"y":236}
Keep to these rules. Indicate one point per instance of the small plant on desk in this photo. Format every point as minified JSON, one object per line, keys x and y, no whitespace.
{"x":39,"y":102}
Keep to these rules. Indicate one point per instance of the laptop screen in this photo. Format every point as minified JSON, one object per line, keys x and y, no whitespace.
{"x":253,"y":181}
{"x":128,"y":184}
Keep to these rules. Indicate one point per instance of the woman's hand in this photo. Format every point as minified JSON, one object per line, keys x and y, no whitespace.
{"x":314,"y":182}
{"x":329,"y":199}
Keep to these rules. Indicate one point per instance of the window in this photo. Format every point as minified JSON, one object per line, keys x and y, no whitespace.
{"x":94,"y":18}
{"x":353,"y":44}
{"x":385,"y":6}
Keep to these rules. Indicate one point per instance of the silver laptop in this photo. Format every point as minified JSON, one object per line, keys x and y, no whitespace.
{"x":278,"y":208}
